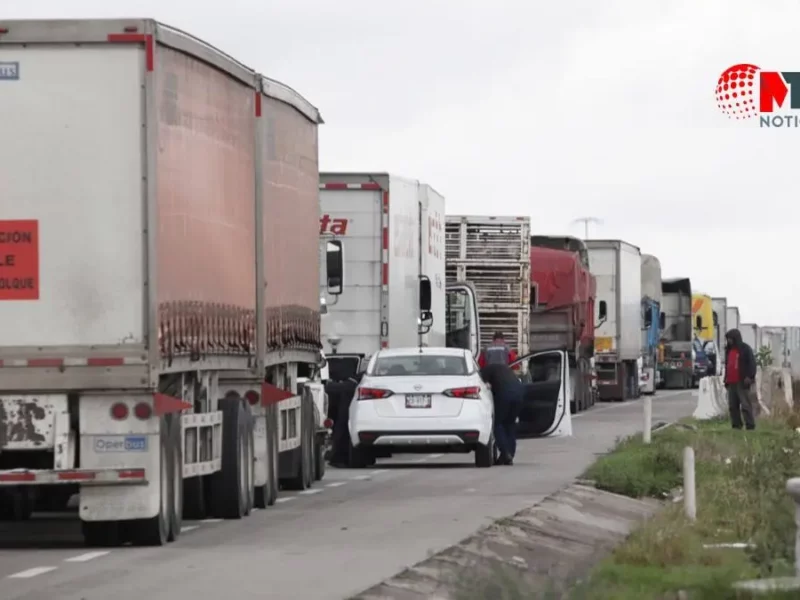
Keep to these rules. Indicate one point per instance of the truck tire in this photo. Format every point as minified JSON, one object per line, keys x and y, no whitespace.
{"x":229,"y":494}
{"x":156,"y":530}
{"x":266,"y":494}
{"x":16,"y":504}
{"x":194,"y":498}
{"x":100,"y":534}
{"x":319,"y":459}
{"x":176,"y":447}
{"x":304,"y":475}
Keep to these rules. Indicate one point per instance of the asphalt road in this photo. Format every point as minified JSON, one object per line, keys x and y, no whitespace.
{"x":351,"y":531}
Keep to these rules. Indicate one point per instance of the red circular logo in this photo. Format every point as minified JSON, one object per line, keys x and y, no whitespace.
{"x":734,"y":91}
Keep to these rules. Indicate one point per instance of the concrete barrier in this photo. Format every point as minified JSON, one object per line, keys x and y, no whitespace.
{"x":774,"y":389}
{"x":711,"y":400}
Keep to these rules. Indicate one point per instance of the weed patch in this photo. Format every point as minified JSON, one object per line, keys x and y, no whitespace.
{"x":741,"y":497}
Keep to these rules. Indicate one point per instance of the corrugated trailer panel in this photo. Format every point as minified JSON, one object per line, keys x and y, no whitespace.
{"x":206,"y":208}
{"x":291,"y":211}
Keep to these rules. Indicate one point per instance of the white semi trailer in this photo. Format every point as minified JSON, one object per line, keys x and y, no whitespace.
{"x":162,"y":297}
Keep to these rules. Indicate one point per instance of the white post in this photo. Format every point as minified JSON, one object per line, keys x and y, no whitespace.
{"x":793,"y":488}
{"x":648,"y":419}
{"x":689,"y":489}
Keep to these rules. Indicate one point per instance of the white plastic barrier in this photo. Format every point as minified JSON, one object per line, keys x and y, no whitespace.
{"x":711,"y":399}
{"x":774,"y":388}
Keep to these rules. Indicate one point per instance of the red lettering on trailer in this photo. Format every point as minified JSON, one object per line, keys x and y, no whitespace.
{"x":19,"y":260}
{"x":328,"y":224}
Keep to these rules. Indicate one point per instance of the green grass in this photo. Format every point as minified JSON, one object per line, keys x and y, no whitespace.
{"x":741,"y":497}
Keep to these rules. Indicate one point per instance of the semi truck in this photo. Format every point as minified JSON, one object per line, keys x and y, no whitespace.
{"x":651,"y":322}
{"x":392,"y":232}
{"x":720,"y":307}
{"x":732,"y":317}
{"x":751,"y":335}
{"x":562,"y":310}
{"x":675,"y":357}
{"x":492,"y":254}
{"x":617,"y":267}
{"x":705,"y":354}
{"x":162,"y":302}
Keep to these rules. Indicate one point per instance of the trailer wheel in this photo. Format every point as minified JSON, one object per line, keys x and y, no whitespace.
{"x":176,"y":444}
{"x":228,"y":485}
{"x":319,"y":458}
{"x":156,"y":530}
{"x":304,"y":475}
{"x":100,"y":534}
{"x":16,"y":504}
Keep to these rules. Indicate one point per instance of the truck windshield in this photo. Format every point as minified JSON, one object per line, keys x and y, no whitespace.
{"x":427,"y":364}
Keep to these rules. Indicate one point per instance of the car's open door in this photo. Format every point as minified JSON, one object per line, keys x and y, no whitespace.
{"x":463,"y":328}
{"x":545,"y":406}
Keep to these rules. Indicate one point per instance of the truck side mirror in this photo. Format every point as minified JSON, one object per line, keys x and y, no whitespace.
{"x":662,"y":321}
{"x":334,"y":263}
{"x":648,"y":316}
{"x":424,"y":294}
{"x":716,"y":319}
{"x":602,"y":310}
{"x":698,"y":322}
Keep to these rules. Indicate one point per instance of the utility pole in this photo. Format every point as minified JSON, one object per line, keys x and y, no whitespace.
{"x":586,"y":221}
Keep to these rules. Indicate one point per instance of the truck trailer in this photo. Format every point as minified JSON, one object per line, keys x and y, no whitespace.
{"x":492,"y":254}
{"x":675,"y":356}
{"x":163,"y":302}
{"x":704,"y":356}
{"x":562,"y":310}
{"x":751,"y":335}
{"x":651,"y":322}
{"x":720,"y":307}
{"x":732,"y":317}
{"x":392,"y":231}
{"x":617,"y":267}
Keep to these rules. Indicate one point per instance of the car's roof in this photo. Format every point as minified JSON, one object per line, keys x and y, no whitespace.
{"x":425,"y":350}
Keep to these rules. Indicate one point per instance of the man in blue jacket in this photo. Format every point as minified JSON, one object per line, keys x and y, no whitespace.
{"x":507,"y":393}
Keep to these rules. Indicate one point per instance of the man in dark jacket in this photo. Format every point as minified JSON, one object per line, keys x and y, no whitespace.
{"x":507,"y":393}
{"x":740,"y":373}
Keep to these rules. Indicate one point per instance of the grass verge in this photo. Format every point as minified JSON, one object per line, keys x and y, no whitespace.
{"x":741,"y":497}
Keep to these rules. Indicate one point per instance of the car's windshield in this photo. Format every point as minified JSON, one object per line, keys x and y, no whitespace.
{"x":418,"y":364}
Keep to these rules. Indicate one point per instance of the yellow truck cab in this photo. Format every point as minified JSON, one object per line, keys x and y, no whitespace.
{"x":704,"y":352}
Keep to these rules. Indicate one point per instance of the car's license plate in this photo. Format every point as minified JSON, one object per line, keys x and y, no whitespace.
{"x":418,"y":400}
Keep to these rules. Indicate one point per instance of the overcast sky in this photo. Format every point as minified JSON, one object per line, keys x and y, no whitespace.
{"x":556,"y":110}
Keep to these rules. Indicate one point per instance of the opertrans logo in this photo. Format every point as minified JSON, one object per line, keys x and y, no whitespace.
{"x":745,"y":91}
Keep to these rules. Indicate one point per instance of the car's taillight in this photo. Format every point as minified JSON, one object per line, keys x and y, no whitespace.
{"x":366,"y":393}
{"x":464,"y":392}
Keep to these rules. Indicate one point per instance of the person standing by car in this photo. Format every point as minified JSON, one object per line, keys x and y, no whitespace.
{"x":507,"y":394}
{"x":740,"y":373}
{"x":498,"y":353}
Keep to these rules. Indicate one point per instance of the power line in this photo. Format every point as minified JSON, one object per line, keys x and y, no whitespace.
{"x":586,"y":221}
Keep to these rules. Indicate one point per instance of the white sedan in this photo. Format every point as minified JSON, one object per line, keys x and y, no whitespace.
{"x":421,"y":400}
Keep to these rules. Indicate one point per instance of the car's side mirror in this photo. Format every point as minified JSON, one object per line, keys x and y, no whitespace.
{"x":662,"y":321}
{"x":425,"y":294}
{"x":602,"y":310}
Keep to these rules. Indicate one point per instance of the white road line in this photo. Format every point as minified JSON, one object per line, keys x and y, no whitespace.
{"x":27,"y":574}
{"x":189,"y":528}
{"x":420,"y":460}
{"x":88,"y":556}
{"x":286,"y":499}
{"x":379,"y":471}
{"x":436,"y":456}
{"x":211,"y":521}
{"x":311,"y":492}
{"x":335,"y":484}
{"x":362,"y":478}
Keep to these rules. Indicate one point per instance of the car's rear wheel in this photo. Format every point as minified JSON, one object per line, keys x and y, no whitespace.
{"x":484,"y":454}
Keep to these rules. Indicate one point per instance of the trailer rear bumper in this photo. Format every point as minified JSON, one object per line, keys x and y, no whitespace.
{"x":94,"y":477}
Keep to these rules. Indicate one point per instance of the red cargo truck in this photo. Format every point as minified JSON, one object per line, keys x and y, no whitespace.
{"x":562,"y":310}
